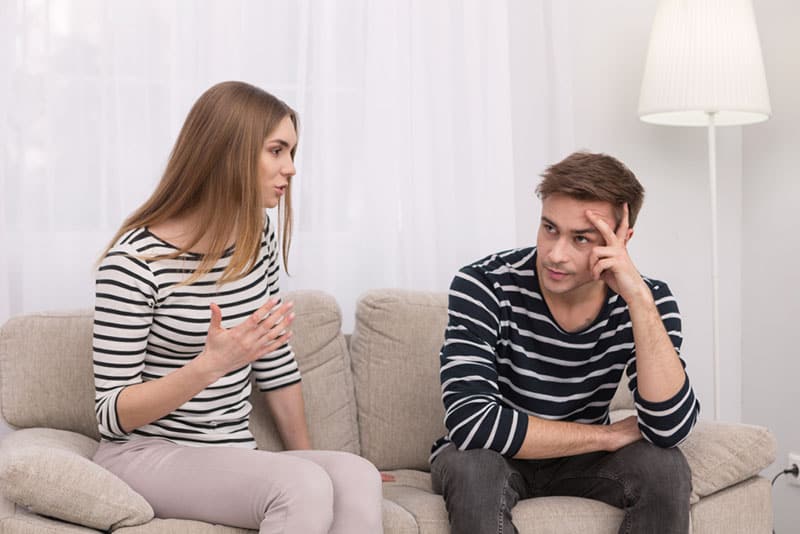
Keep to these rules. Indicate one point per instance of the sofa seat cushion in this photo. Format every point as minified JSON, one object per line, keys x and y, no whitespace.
{"x":51,"y":473}
{"x":546,"y":515}
{"x":25,"y":522}
{"x":181,"y":526}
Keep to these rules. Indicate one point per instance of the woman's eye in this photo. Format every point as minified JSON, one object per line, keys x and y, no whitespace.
{"x":276,"y":151}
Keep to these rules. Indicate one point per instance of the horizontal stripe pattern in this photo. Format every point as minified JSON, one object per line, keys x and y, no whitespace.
{"x":504,"y":357}
{"x":146,"y":325}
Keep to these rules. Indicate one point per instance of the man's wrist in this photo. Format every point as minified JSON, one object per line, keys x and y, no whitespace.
{"x":640,"y":296}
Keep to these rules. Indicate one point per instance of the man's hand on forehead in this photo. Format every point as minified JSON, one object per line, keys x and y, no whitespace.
{"x":611,"y":236}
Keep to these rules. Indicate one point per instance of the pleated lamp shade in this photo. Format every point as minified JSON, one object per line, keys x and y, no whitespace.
{"x":704,"y":57}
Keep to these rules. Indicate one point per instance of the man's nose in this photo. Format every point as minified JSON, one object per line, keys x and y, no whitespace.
{"x":558,"y":251}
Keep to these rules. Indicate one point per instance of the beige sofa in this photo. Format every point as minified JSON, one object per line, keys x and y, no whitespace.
{"x":377,"y":396}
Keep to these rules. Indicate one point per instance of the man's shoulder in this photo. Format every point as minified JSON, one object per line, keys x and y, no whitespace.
{"x":515,"y":260}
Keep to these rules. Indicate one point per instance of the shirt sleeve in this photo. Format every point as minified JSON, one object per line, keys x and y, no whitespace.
{"x":667,"y":423}
{"x":475,"y":416}
{"x":278,"y":368}
{"x":125,"y":295}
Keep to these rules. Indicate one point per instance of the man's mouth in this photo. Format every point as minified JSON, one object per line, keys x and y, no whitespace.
{"x":555,"y":273}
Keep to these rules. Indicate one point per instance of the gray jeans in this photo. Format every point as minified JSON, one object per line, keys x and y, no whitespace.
{"x":481,"y":487}
{"x":313,"y":492}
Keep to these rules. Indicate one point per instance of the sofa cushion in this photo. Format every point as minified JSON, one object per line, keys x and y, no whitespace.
{"x":181,"y":526}
{"x":724,"y":454}
{"x":544,"y":515}
{"x":51,"y":473}
{"x":25,"y":522}
{"x":321,"y":352}
{"x":62,"y":397}
{"x":395,"y":351}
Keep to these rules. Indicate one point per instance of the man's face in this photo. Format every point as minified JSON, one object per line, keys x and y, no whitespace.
{"x":565,"y":240}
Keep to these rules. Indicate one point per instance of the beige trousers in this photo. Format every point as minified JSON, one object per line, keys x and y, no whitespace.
{"x":292,"y":492}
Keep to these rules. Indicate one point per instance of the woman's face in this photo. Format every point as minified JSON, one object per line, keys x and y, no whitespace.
{"x":275,"y":166}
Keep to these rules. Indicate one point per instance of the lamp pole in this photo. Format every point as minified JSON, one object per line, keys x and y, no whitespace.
{"x":712,"y":178}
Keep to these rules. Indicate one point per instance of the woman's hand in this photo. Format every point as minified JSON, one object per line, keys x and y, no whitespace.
{"x":228,"y":349}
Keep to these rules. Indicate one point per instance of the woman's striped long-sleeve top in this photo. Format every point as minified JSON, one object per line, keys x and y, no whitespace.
{"x":146,"y":325}
{"x":504,"y":357}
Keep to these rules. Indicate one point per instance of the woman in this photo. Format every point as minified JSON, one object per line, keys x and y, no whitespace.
{"x":187,"y":308}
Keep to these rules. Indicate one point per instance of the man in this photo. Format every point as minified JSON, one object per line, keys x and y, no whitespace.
{"x":536,"y":343}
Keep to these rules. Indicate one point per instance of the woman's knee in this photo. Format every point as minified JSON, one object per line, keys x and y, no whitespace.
{"x":354,"y":471}
{"x":309,"y":487}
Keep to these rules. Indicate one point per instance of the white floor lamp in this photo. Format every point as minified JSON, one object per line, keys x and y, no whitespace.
{"x":704,"y":68}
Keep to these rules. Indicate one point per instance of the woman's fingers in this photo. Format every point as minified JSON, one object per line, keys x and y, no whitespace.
{"x":273,"y":331}
{"x":216,"y":318}
{"x":275,"y":344}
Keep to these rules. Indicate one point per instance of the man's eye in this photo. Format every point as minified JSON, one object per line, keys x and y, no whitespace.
{"x":549,"y":228}
{"x":581,"y":239}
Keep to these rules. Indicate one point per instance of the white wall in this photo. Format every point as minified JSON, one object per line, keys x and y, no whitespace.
{"x":771,"y":259}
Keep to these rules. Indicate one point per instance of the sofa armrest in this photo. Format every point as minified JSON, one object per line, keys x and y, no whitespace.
{"x":51,"y":472}
{"x":721,"y":455}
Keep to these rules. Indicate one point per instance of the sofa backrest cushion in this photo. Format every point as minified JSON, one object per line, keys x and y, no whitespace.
{"x":321,"y":352}
{"x":395,"y":351}
{"x":46,"y":374}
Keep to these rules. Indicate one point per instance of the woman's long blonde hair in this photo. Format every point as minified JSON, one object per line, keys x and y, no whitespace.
{"x":212,"y":173}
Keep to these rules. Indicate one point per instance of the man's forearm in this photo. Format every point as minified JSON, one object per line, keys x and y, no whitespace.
{"x":556,"y":439}
{"x":659,"y":372}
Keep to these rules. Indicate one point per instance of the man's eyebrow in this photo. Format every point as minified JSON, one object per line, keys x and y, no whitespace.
{"x":590,"y":230}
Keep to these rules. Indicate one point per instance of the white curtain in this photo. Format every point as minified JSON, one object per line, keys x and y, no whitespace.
{"x":405,"y":164}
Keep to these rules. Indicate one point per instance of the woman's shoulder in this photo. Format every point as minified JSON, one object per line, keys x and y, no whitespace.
{"x":132,"y":248}
{"x":138,"y":242}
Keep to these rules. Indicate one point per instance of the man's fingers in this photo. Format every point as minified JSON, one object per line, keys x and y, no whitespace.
{"x":624,"y":225}
{"x":603,"y":227}
{"x":600,"y":266}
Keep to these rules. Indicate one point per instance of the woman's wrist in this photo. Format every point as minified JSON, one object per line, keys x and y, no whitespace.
{"x":201,"y":369}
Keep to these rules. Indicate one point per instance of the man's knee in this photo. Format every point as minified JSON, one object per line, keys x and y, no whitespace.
{"x":662,"y":473}
{"x":470,"y":469}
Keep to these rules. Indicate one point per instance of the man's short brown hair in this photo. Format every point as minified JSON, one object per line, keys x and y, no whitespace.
{"x":587,"y":176}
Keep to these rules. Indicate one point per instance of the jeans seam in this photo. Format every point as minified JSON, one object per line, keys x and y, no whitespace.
{"x":502,"y":508}
{"x":626,"y":526}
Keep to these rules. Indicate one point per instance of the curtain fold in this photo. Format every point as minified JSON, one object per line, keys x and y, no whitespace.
{"x":405,"y":164}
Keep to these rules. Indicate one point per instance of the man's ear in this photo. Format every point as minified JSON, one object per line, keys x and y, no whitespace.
{"x":629,"y":236}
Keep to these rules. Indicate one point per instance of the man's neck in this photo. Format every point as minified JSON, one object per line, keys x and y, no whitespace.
{"x":576,"y":309}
